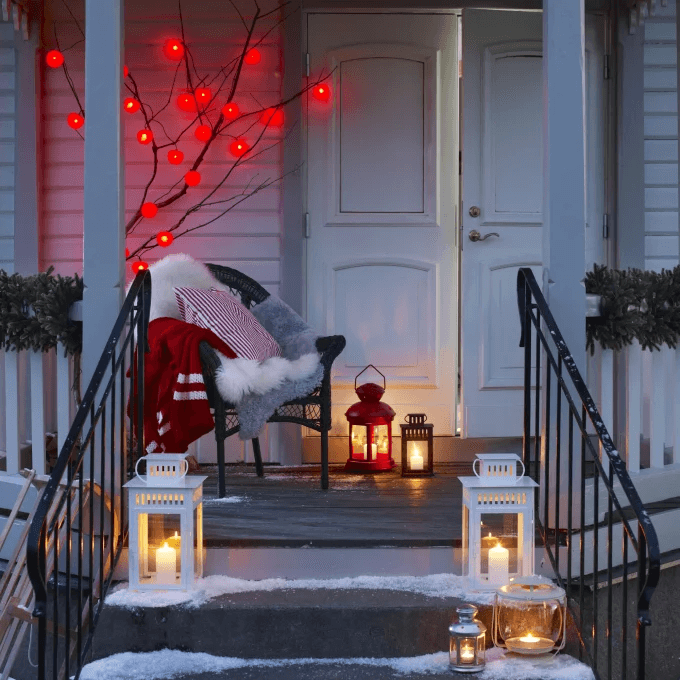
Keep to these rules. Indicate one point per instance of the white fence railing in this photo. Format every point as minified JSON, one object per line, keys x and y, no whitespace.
{"x":35,"y":399}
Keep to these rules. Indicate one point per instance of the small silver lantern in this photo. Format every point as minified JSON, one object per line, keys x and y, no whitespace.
{"x":166,"y":525}
{"x":467,"y":647}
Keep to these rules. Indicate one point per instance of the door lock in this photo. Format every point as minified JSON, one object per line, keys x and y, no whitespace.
{"x":475,"y":236}
{"x":475,"y":211}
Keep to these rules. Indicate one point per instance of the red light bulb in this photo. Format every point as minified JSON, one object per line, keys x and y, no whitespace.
{"x":231,"y":111}
{"x":164,"y":239}
{"x":54,"y":58}
{"x":173,"y":49}
{"x":192,"y":178}
{"x":322,"y":93}
{"x":75,"y":120}
{"x":127,"y":252}
{"x":131,"y":105}
{"x":273,"y":117}
{"x":203,"y":95}
{"x":139,"y":266}
{"x":203,"y":133}
{"x":175,"y":156}
{"x":149,"y":210}
{"x":253,"y":57}
{"x":238,"y":147}
{"x":126,"y":71}
{"x":144,"y":136}
{"x":187,"y":102}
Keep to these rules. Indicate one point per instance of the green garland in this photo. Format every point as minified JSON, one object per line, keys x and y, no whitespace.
{"x":636,"y":305}
{"x":34,"y":312}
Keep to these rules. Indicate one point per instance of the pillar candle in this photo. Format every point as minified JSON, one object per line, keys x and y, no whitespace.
{"x":416,"y":460}
{"x":499,"y":560}
{"x":166,"y":558}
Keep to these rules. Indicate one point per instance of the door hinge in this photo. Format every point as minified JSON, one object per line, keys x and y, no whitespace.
{"x":607,"y":71}
{"x":307,"y":229}
{"x":605,"y":226}
{"x":307,"y":63}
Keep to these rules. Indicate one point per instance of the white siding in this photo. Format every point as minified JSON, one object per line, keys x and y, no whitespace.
{"x":661,"y":140}
{"x":7,"y":145}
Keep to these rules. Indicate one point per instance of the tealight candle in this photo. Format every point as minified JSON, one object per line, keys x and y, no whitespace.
{"x":467,"y":653}
{"x":166,"y":565}
{"x":374,"y":450}
{"x":499,"y":569}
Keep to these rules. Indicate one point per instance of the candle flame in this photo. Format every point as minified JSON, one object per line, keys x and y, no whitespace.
{"x":165,"y":545}
{"x":176,"y":535}
{"x":529,"y":638}
{"x":490,"y":536}
{"x":498,"y":545}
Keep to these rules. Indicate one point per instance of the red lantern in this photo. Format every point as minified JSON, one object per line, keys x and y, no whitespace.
{"x":231,"y":111}
{"x":253,"y":57}
{"x":149,"y":210}
{"x":173,"y":49}
{"x":127,"y":252}
{"x":144,"y":136}
{"x":175,"y":156}
{"x":131,"y":105}
{"x":164,"y":239}
{"x":321,"y":92}
{"x":187,"y":102}
{"x":273,"y":117}
{"x":126,"y":71}
{"x":238,"y":147}
{"x":192,"y":178}
{"x":203,"y":133}
{"x":139,"y":266}
{"x":203,"y":95}
{"x":75,"y":120}
{"x":370,"y":429}
{"x":54,"y":58}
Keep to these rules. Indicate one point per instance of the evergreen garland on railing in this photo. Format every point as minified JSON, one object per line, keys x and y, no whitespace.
{"x":34,"y":312}
{"x":636,"y":305}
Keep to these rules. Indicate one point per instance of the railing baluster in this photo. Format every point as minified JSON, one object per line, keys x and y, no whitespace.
{"x":546,"y":451}
{"x":67,"y":608}
{"x":676,"y":407}
{"x":641,"y":625}
{"x":657,"y":413}
{"x":633,"y":406}
{"x":37,"y":413}
{"x":537,"y":417}
{"x":624,"y":610}
{"x":610,"y":549}
{"x":558,"y":462}
{"x":12,"y":434}
{"x":570,"y":496}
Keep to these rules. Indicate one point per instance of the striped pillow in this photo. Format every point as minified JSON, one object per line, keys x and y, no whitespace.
{"x":217,"y":311}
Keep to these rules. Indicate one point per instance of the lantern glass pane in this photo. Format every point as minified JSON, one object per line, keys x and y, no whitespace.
{"x":160,"y":549}
{"x":530,"y":626}
{"x":498,"y":531}
{"x":466,"y":541}
{"x":416,"y":454}
{"x":462,"y":651}
{"x":198,"y":541}
{"x":381,"y":438}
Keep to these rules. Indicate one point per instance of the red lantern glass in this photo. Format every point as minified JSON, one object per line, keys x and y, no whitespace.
{"x":54,"y":58}
{"x":175,"y":156}
{"x":231,"y":111}
{"x":149,"y":210}
{"x":322,"y":93}
{"x":370,"y":429}
{"x":131,"y":105}
{"x":238,"y":147}
{"x":203,"y":133}
{"x":173,"y":49}
{"x":192,"y":178}
{"x":75,"y":120}
{"x":273,"y":117}
{"x":144,"y":136}
{"x":253,"y":56}
{"x":164,"y":239}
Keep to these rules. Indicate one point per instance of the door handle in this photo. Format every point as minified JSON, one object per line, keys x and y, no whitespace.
{"x":475,"y":236}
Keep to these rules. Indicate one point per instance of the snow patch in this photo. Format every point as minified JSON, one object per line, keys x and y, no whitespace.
{"x":222,"y":501}
{"x":175,"y":664}
{"x":436,"y":585}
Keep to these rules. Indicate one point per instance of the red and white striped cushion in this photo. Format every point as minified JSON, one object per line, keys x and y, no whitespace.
{"x":217,"y":311}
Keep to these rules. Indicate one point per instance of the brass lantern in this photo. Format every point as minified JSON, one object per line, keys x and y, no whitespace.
{"x":417,"y":449}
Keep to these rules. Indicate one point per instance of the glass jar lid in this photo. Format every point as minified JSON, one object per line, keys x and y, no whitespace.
{"x":531,"y":588}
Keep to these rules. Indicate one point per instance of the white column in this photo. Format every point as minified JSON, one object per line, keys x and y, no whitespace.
{"x":104,"y":242}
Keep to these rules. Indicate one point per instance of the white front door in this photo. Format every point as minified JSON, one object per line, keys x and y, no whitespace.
{"x":503,"y":201}
{"x":382,"y":182}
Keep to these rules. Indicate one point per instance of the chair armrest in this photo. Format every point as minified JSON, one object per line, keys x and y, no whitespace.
{"x":330,"y":347}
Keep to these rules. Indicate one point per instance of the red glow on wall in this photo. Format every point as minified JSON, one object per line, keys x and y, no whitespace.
{"x":164,"y":239}
{"x":192,"y":178}
{"x":131,"y":105}
{"x":187,"y":102}
{"x":144,"y":136}
{"x":173,"y":49}
{"x":127,"y":252}
{"x":273,"y":117}
{"x":231,"y":111}
{"x":126,"y":71}
{"x":238,"y":147}
{"x":75,"y":120}
{"x":139,"y":266}
{"x":203,"y":133}
{"x":322,"y":93}
{"x":54,"y":58}
{"x":149,"y":210}
{"x":203,"y":95}
{"x":175,"y":156}
{"x":253,"y":57}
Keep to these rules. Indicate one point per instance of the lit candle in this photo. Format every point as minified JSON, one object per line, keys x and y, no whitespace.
{"x":530,"y":638}
{"x":175,"y":539}
{"x":499,"y":560}
{"x":374,"y":449}
{"x":416,"y":459}
{"x":467,"y":652}
{"x":166,"y":565}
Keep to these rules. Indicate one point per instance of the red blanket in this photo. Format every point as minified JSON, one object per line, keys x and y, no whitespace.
{"x":176,"y":409}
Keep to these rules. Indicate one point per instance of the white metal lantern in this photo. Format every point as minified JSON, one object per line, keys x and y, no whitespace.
{"x":498,"y":521}
{"x":166,"y":525}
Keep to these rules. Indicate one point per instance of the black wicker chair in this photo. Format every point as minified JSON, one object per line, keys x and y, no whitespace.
{"x":313,"y":411}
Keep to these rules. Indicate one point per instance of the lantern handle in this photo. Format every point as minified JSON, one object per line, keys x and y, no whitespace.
{"x":375,"y":369}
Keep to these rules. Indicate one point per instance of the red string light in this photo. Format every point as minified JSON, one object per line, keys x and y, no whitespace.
{"x":164,"y":239}
{"x":131,"y":105}
{"x":203,"y":95}
{"x":192,"y":178}
{"x":238,"y":147}
{"x":126,"y":71}
{"x":322,"y":93}
{"x":175,"y":156}
{"x":139,"y":266}
{"x":231,"y":111}
{"x":54,"y":58}
{"x":173,"y":49}
{"x":187,"y":102}
{"x":144,"y":136}
{"x":203,"y":133}
{"x":149,"y":210}
{"x":273,"y":117}
{"x":75,"y":120}
{"x":253,"y":57}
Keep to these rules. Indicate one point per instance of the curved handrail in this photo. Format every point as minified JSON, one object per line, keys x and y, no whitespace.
{"x":527,"y":280}
{"x":37,"y":536}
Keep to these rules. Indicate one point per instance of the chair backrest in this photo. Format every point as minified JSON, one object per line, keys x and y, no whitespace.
{"x":249,"y":290}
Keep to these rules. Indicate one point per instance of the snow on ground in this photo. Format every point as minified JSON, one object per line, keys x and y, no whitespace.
{"x":175,"y":664}
{"x":436,"y":585}
{"x":208,"y":502}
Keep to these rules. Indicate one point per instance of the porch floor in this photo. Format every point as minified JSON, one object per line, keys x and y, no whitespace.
{"x":287,"y":508}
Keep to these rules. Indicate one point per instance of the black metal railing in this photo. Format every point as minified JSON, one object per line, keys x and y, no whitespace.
{"x":577,"y":526}
{"x":78,"y":530}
